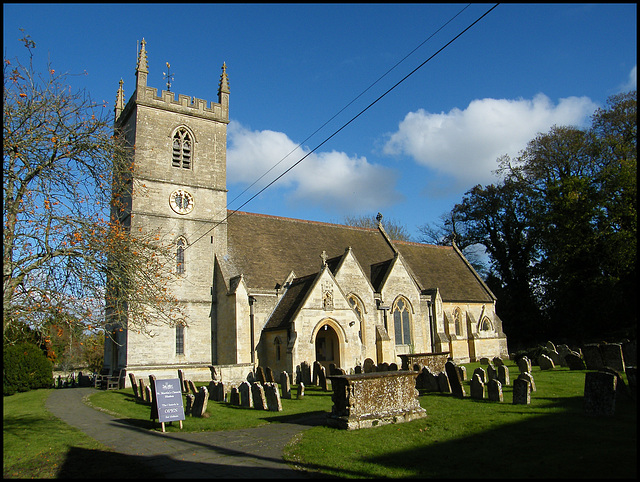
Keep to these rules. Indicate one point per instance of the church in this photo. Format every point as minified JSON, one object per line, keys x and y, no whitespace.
{"x":269,"y":291}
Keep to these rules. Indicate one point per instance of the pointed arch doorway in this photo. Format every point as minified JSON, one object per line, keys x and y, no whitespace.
{"x":327,"y":346}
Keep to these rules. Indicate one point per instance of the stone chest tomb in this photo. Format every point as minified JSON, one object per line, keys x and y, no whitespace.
{"x":371,"y":399}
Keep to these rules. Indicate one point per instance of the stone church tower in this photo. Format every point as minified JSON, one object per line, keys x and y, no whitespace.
{"x":180,"y":162}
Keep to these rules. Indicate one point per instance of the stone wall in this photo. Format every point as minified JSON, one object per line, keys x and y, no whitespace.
{"x":434,"y":361}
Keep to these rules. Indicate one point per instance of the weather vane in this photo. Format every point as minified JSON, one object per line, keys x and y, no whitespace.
{"x":167,"y":75}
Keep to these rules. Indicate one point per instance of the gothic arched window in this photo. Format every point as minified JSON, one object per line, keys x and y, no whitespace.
{"x":180,"y":247}
{"x":182,"y":149}
{"x":457,"y":320}
{"x":277,"y":344}
{"x":401,"y":322}
{"x":485,"y":324}
{"x":356,"y":304}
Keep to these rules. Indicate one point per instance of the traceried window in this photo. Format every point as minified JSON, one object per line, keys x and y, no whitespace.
{"x":401,"y":322}
{"x":182,"y":149}
{"x":179,"y":340}
{"x":180,"y":247}
{"x":485,"y":324}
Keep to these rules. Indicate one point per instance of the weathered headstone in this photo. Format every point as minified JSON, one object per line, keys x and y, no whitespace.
{"x":592,"y":357}
{"x":368,"y":366}
{"x":322,"y":378}
{"x":257,"y":393}
{"x":503,"y":375}
{"x":272,"y":395}
{"x":545,"y":362}
{"x":357,"y":369}
{"x":305,"y":372}
{"x":316,"y":373}
{"x":189,"y":403}
{"x":285,"y":385}
{"x":200,"y":401}
{"x":554,"y":356}
{"x":192,"y":387}
{"x":574,"y":362}
{"x":529,"y":378}
{"x":477,"y":387}
{"x":443,"y":383}
{"x":484,"y":361}
{"x":494,"y":391}
{"x":213,"y":390}
{"x":260,"y":377}
{"x":455,"y":382}
{"x":245,"y":395}
{"x":141,"y":390}
{"x":300,"y":391}
{"x":550,"y":346}
{"x":521,"y":392}
{"x":524,"y":364}
{"x":599,"y":393}
{"x":463,"y":372}
{"x":430,"y":380}
{"x":268,"y":375}
{"x":492,"y":374}
{"x":134,"y":384}
{"x":393,"y":367}
{"x":183,"y":386}
{"x":481,"y":373}
{"x":148,"y":394}
{"x":563,"y":351}
{"x":332,"y":369}
{"x":234,"y":396}
{"x":497,"y":361}
{"x":612,"y":356}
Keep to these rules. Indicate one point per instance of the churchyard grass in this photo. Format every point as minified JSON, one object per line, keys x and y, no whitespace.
{"x":36,"y":444}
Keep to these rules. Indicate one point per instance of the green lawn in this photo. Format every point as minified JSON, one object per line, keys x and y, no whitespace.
{"x":552,"y":437}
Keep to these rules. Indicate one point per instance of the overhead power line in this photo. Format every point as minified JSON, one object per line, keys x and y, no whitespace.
{"x":348,"y":122}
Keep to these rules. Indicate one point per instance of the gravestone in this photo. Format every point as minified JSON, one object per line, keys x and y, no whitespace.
{"x":554,"y":356}
{"x":484,"y":361}
{"x":592,"y":357}
{"x":234,"y":396}
{"x":272,"y":395}
{"x":612,"y":356}
{"x":393,"y":367}
{"x":316,"y":373}
{"x":201,"y":398}
{"x":503,"y":375}
{"x":257,"y":394}
{"x":494,"y":390}
{"x":260,"y":377}
{"x":268,"y":375}
{"x":443,"y":383}
{"x":430,"y":380}
{"x":134,"y":385}
{"x":192,"y":387}
{"x":300,"y":391}
{"x":383,"y":367}
{"x":286,"y":386}
{"x":477,"y":387}
{"x":463,"y":372}
{"x":368,"y":366}
{"x":322,"y":378}
{"x":545,"y":362}
{"x":550,"y":346}
{"x":524,"y":364}
{"x":213,"y":390}
{"x":455,"y":382}
{"x":332,"y":369}
{"x":148,"y":395}
{"x":222,"y":392}
{"x":481,"y":373}
{"x":497,"y":361}
{"x":574,"y":362}
{"x":529,"y":378}
{"x":141,"y":390}
{"x":492,"y":374}
{"x":189,"y":404}
{"x":521,"y":392}
{"x":599,"y":393}
{"x":183,"y":385}
{"x":357,"y":370}
{"x":563,"y":351}
{"x":305,"y":373}
{"x":245,"y":395}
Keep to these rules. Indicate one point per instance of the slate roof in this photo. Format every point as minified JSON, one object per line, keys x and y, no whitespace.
{"x":265,"y":249}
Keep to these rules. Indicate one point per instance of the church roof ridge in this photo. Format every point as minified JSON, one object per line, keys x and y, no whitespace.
{"x":306,"y":221}
{"x":415,"y":243}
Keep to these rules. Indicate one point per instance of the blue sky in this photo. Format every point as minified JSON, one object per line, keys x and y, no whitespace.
{"x":293,"y":67}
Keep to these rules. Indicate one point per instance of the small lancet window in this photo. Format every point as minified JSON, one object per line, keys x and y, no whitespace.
{"x":402,"y":322}
{"x":179,"y":340}
{"x":277,"y":344}
{"x":180,"y":247}
{"x":457,"y":319}
{"x":182,"y":149}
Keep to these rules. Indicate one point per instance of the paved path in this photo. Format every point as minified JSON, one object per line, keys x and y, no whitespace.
{"x":246,"y":453}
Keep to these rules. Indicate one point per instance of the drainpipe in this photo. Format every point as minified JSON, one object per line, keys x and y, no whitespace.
{"x":252,"y":300}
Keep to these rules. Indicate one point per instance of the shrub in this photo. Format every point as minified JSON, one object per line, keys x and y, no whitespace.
{"x":25,"y":367}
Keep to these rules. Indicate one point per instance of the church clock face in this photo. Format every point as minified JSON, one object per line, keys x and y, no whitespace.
{"x":181,"y":201}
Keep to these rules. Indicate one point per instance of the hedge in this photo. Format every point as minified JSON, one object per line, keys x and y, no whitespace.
{"x":25,"y":368}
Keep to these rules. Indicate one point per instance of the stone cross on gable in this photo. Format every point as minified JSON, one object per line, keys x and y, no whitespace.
{"x":324,"y":257}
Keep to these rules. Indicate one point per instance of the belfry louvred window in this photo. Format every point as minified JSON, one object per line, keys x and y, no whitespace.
{"x":182,"y":145}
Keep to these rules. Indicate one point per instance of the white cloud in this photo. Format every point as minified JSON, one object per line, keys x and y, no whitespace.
{"x":332,"y":180}
{"x":465,"y":144}
{"x":632,"y":82}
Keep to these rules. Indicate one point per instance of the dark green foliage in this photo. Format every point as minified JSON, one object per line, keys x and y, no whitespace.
{"x":25,"y":368}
